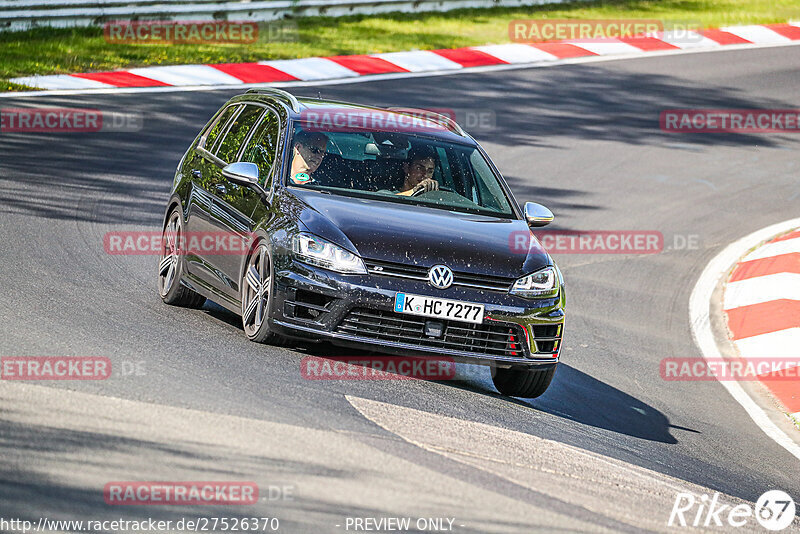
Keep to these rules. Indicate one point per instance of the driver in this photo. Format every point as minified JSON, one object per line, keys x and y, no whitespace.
{"x":418,"y":170}
{"x":309,"y":149}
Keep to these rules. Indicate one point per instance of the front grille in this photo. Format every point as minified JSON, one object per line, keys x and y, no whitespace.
{"x":491,"y":338}
{"x":418,"y":272}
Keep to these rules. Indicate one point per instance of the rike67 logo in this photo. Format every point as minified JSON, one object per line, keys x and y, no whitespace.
{"x":775,"y":510}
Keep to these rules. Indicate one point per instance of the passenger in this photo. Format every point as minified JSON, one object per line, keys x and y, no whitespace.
{"x":418,"y":170}
{"x":309,"y":150}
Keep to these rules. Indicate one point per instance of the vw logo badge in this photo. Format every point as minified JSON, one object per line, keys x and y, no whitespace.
{"x":440,"y":276}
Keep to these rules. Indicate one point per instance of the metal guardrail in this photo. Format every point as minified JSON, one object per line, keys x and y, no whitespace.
{"x":25,"y":14}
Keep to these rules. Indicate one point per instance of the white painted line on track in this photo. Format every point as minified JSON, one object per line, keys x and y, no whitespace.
{"x":65,"y":81}
{"x":756,"y":34}
{"x":419,"y":61}
{"x":516,"y":53}
{"x":760,"y":289}
{"x":700,"y":318}
{"x":780,"y":345}
{"x":186,"y":75}
{"x":774,"y":249}
{"x":607,"y":48}
{"x":689,"y":40}
{"x":311,"y":68}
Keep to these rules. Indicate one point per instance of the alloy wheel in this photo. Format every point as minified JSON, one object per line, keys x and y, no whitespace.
{"x":170,"y":254}
{"x":255,"y":291}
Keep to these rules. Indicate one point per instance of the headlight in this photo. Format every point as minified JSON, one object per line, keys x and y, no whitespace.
{"x":542,"y":283}
{"x":316,"y":251}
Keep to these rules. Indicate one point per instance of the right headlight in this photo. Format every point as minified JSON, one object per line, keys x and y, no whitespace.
{"x":543,"y":283}
{"x":316,"y":251}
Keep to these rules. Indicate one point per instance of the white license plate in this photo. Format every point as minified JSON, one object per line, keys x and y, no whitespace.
{"x":439,"y":308}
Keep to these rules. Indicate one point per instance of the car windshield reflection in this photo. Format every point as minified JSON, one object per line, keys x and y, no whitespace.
{"x":396,"y":167}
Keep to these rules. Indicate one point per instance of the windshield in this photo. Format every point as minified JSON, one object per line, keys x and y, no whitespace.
{"x":396,"y":167}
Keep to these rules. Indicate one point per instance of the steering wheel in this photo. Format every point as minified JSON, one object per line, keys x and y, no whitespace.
{"x":441,"y":188}
{"x":418,"y":192}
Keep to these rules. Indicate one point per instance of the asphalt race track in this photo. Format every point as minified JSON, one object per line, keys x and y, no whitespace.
{"x":583,"y":140}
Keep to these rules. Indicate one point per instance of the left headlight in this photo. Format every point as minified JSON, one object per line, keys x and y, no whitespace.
{"x":316,"y":251}
{"x":542,"y":283}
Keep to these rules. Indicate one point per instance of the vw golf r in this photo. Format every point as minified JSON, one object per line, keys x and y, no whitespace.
{"x":391,"y":230}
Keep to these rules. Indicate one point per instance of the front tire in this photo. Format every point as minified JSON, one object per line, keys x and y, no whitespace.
{"x":522,"y":382}
{"x":256,"y":298}
{"x":171,"y":267}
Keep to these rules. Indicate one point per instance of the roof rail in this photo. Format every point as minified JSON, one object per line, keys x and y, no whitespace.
{"x":444,"y":120}
{"x":279,"y":93}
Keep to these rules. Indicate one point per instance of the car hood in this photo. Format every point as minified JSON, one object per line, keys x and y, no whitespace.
{"x":418,"y":235}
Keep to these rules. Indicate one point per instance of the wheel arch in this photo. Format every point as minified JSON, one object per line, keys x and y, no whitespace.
{"x":259,"y":236}
{"x":175,"y":201}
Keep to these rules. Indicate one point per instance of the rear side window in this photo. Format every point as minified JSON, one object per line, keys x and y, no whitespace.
{"x":237,"y":133}
{"x":262,"y":146}
{"x":219,"y":126}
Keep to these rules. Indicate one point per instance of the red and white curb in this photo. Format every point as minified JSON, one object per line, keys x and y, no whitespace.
{"x":316,"y":69}
{"x":762,"y":302}
{"x":718,"y":271}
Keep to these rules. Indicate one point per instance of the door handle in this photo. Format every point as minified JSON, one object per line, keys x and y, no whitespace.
{"x":221,"y":189}
{"x":197,"y":174}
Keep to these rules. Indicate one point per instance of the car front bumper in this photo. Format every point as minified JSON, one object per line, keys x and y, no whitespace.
{"x":316,"y":304}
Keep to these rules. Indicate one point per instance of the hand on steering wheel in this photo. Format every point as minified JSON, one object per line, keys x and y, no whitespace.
{"x":428,"y":184}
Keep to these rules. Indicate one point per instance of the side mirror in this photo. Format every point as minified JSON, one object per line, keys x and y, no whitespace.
{"x":241,"y":173}
{"x":537,"y":215}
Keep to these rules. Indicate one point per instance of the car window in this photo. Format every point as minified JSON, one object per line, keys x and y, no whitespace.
{"x":219,"y":126}
{"x":375,"y":164}
{"x":238,"y":132}
{"x":488,"y":192}
{"x":262,"y":146}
